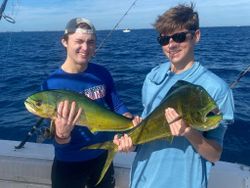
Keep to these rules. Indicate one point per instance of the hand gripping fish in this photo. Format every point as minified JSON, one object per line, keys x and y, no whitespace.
{"x":94,"y":116}
{"x":193,"y":104}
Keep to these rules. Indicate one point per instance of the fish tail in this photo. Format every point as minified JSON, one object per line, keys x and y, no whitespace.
{"x":110,"y":157}
{"x":169,"y":138}
{"x":112,"y":149}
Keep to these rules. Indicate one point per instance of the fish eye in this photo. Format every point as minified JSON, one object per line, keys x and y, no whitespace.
{"x":39,"y":103}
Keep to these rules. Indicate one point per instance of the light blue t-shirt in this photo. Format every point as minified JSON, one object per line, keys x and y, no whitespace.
{"x":160,"y":164}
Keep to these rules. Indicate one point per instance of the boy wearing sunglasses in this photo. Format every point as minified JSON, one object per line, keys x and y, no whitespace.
{"x":186,"y":162}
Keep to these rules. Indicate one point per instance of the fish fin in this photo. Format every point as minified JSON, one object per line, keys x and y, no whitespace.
{"x":178,"y":84}
{"x":92,"y":130}
{"x":104,"y":145}
{"x":112,"y":149}
{"x":52,"y":127}
{"x":170,"y":139}
{"x":48,"y":132}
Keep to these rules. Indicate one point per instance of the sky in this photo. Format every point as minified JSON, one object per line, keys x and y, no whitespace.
{"x":52,"y":15}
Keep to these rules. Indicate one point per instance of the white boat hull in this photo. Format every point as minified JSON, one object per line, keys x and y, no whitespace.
{"x":30,"y":167}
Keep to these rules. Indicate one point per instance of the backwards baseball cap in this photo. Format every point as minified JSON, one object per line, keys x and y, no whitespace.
{"x":74,"y":25}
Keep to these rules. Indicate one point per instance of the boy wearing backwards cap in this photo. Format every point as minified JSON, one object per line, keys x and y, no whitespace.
{"x":72,"y":167}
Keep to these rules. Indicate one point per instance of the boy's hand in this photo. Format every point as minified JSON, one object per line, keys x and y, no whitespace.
{"x":125,"y":143}
{"x":177,"y":125}
{"x":67,"y":117}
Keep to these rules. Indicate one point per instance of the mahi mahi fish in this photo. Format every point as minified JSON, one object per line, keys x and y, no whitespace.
{"x":94,"y":116}
{"x":193,"y":104}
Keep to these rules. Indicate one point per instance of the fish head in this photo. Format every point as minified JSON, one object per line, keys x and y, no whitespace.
{"x":200,"y":110}
{"x":41,"y":104}
{"x":194,"y":104}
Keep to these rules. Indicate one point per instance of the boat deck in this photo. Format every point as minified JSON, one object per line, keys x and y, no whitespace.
{"x":30,"y":167}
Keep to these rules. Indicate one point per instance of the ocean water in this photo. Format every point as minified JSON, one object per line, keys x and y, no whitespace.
{"x":27,"y":58}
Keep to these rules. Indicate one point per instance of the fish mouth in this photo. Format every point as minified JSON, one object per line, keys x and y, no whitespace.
{"x":212,"y":119}
{"x":214,"y":112}
{"x":30,"y":106}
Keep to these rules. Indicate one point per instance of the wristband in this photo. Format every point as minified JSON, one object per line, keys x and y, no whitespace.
{"x":64,"y":140}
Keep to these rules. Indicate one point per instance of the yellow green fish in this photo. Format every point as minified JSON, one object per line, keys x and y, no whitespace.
{"x":193,"y":104}
{"x":94,"y":116}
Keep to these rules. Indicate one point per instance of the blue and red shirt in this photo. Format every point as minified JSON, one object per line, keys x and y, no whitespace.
{"x":97,"y":84}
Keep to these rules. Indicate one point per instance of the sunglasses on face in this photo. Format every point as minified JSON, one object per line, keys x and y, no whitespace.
{"x":177,"y":37}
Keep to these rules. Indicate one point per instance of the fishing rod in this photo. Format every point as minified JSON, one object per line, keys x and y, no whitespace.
{"x":3,"y":8}
{"x":109,"y":34}
{"x":30,"y":133}
{"x":7,"y":18}
{"x":240,"y":75}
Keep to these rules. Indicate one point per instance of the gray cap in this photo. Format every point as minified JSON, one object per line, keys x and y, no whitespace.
{"x":73,"y":26}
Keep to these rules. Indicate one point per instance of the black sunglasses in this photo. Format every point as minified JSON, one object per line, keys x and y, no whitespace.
{"x":177,"y":37}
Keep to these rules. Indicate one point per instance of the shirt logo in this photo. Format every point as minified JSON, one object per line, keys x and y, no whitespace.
{"x":96,"y":92}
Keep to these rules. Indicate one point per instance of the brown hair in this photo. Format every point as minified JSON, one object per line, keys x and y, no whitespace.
{"x":180,"y":17}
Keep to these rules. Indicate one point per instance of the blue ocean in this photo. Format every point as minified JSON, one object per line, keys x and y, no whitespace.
{"x":27,"y":58}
